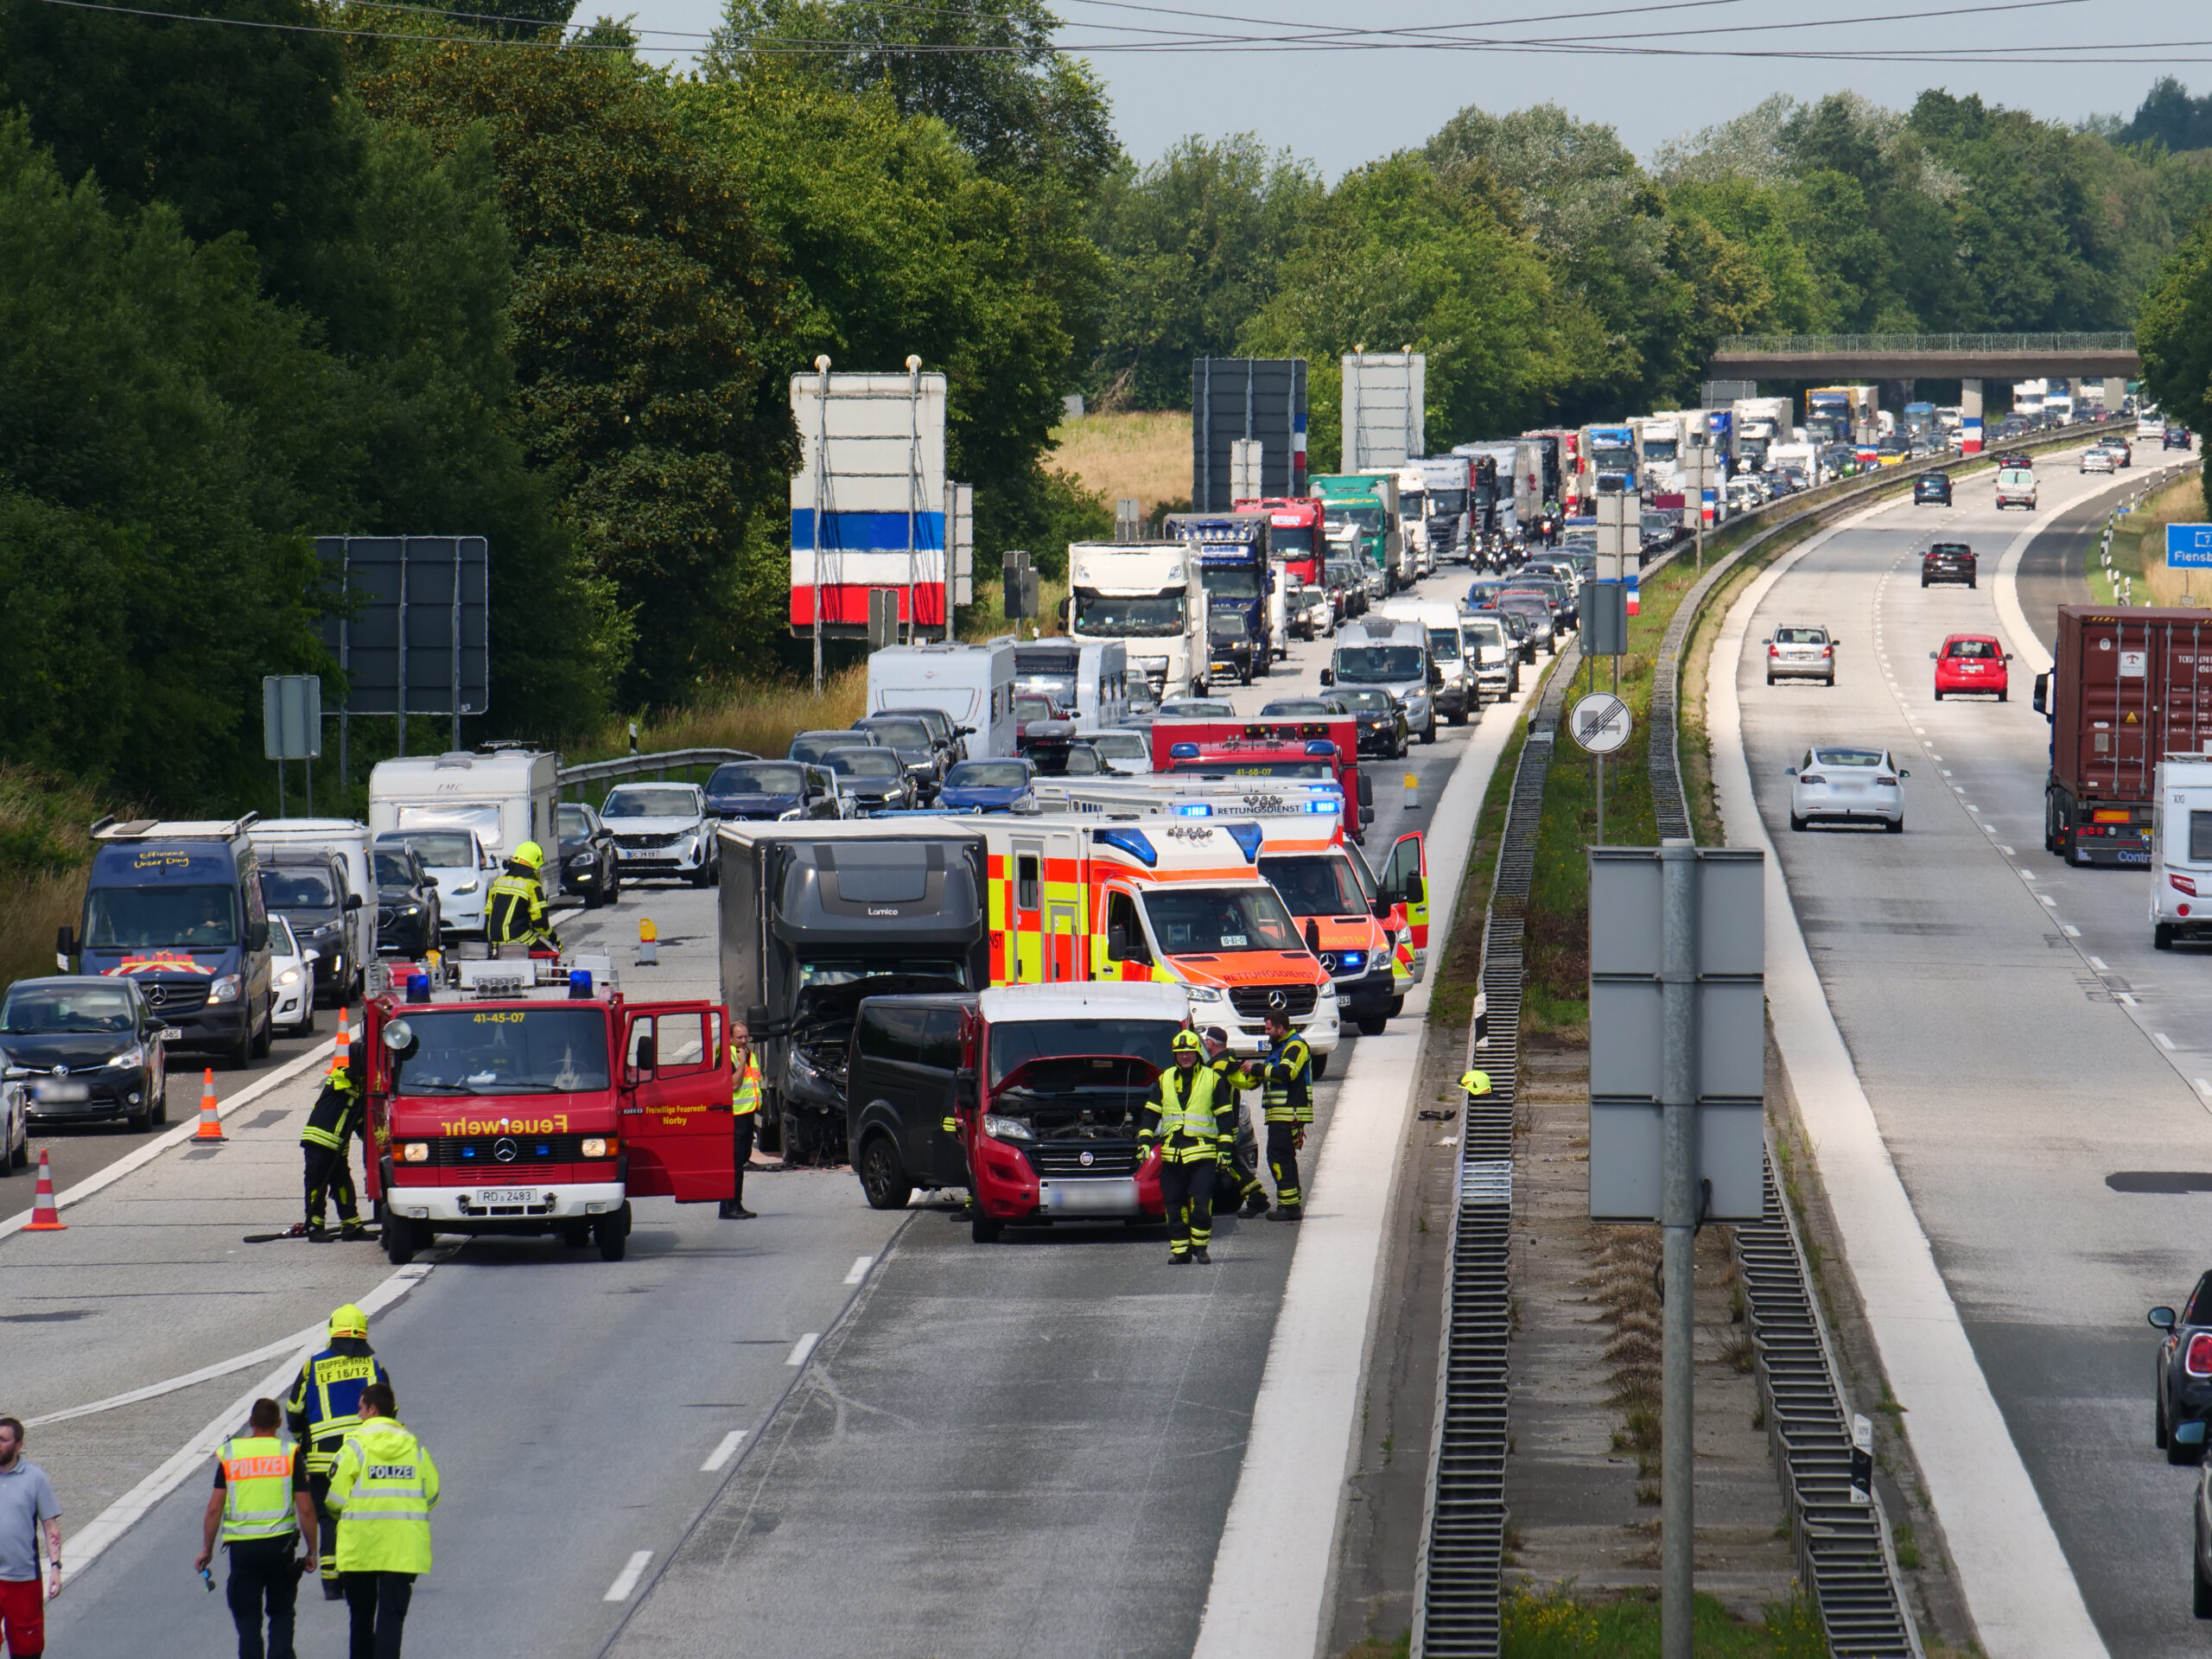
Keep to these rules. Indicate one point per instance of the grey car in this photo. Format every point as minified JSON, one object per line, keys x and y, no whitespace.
{"x":910,"y":737}
{"x":1801,"y":650}
{"x":871,"y":779}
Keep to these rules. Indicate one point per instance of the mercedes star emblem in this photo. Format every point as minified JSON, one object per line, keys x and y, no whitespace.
{"x":1278,"y":999}
{"x":504,"y":1150}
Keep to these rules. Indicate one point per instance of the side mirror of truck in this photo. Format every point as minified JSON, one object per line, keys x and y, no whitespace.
{"x":1118,"y":944}
{"x":2042,"y":697}
{"x":964,"y":1087}
{"x":257,"y":936}
{"x":1328,"y":677}
{"x":64,"y":942}
{"x":1312,"y":937}
{"x":1415,"y":891}
{"x":1366,"y":791}
{"x":352,"y":901}
{"x":756,"y":1019}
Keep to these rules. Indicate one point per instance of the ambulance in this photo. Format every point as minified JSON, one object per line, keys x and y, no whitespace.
{"x":529,"y":1096}
{"x":1163,"y":900}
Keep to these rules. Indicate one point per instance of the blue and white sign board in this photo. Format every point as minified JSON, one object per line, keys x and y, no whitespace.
{"x":868,"y":500}
{"x":2189,"y":547}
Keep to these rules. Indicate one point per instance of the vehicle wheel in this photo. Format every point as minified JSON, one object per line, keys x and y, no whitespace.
{"x":1895,"y":826}
{"x":1321,"y":1065}
{"x":1830,"y":682}
{"x":595,"y":898}
{"x":1459,"y":719}
{"x":1796,"y":822}
{"x":2158,"y":1420}
{"x":1428,"y":734}
{"x":703,"y":876}
{"x":612,"y":1235}
{"x":239,"y":1054}
{"x":2200,"y":1598}
{"x":1939,"y":696}
{"x":1769,"y":679}
{"x":1923,"y":582}
{"x":612,"y":880}
{"x":2001,"y":696}
{"x":160,"y":1104}
{"x":794,"y":1140}
{"x":1971,"y":583}
{"x":1374,"y":1025}
{"x":2162,"y":938}
{"x":267,"y":1034}
{"x":400,"y":1243}
{"x":982,"y":1227}
{"x":882,"y":1179}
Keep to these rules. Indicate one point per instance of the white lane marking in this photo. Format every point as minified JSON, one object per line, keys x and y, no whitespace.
{"x":2204,"y":1086}
{"x":802,"y":1348}
{"x":2048,"y":900}
{"x":2163,"y":1041}
{"x":2019,"y":1587}
{"x":626,"y":1580}
{"x":2007,"y":851}
{"x":2098,"y":962}
{"x":2070,"y":930}
{"x":858,"y":1271}
{"x":2027,"y":875}
{"x":2127,"y":997}
{"x":1946,"y":771}
{"x":723,"y":1452}
{"x":309,"y":1338}
{"x":176,"y":1137}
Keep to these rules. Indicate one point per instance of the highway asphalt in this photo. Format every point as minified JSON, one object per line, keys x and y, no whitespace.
{"x":2027,"y":1056}
{"x":1032,"y":1444}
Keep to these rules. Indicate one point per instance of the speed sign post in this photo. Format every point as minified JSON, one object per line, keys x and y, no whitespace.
{"x":1599,"y":723}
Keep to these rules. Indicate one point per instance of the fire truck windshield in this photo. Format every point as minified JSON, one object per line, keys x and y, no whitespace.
{"x":549,"y":1049}
{"x":1206,"y":920}
{"x":1143,"y":616}
{"x":1315,"y":884}
{"x":1315,"y":769}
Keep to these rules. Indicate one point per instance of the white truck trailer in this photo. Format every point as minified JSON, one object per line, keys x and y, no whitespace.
{"x":1148,"y":596}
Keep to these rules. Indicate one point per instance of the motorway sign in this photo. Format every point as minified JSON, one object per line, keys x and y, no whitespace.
{"x":1599,"y":723}
{"x":2188,"y":546}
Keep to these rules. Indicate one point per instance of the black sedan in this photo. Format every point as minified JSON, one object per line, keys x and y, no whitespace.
{"x":1381,"y":718}
{"x":916,"y":745}
{"x":306,"y":889}
{"x":86,"y":1048}
{"x":1948,"y":561}
{"x":1932,"y":488}
{"x":771,"y":790}
{"x":589,"y":862}
{"x":407,"y":900}
{"x":871,"y":777}
{"x":2183,"y":1382}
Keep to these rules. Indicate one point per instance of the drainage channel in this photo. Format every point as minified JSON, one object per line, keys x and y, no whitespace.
{"x":1463,"y":1536}
{"x":1843,"y":1551}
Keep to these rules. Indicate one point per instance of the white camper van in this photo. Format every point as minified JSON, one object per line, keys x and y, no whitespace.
{"x":972,"y":684}
{"x":506,"y":796}
{"x":1090,"y":680}
{"x":2180,"y":850}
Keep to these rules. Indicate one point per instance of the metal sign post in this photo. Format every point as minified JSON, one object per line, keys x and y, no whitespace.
{"x":1600,"y":723}
{"x":291,"y":726}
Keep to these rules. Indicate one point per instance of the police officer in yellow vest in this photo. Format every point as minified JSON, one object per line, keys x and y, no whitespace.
{"x":1178,"y":1116}
{"x":383,"y":1488}
{"x":514,"y":907}
{"x":745,"y":1107}
{"x":325,"y":1406}
{"x":260,"y":1509}
{"x":1287,"y":1097}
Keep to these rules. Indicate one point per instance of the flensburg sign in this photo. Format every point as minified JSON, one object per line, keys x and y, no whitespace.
{"x":2188,"y":546}
{"x":1599,"y":723}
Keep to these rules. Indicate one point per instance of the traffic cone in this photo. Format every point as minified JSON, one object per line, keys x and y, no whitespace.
{"x":211,"y":1127}
{"x":45,"y":1218}
{"x":345,"y":1049}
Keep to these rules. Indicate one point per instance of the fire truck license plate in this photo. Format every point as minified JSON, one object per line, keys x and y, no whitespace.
{"x":508,"y":1195}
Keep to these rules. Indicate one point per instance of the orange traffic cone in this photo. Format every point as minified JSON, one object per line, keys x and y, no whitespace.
{"x":45,"y":1218}
{"x":343,"y":1052}
{"x":211,"y":1127}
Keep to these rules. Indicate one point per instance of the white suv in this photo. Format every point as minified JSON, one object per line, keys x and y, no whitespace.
{"x":663,"y":829}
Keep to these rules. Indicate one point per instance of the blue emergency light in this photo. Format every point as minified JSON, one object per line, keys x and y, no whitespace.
{"x":579,"y":984}
{"x":1248,"y":836}
{"x":1321,"y":746}
{"x":1134,"y":842}
{"x":1322,"y":805}
{"x":1193,"y":809}
{"x":1182,"y":750}
{"x":418,"y":987}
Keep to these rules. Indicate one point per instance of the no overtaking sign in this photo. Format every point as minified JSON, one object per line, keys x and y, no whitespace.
{"x":1599,"y":723}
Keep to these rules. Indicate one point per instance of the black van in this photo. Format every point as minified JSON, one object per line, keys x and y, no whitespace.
{"x":178,"y":908}
{"x":901,"y":1132}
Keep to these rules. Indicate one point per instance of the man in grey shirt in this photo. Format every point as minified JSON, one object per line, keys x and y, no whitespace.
{"x":26,"y":1505}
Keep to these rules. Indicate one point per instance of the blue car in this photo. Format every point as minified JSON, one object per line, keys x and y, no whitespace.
{"x":771,"y":789}
{"x":986,"y":786}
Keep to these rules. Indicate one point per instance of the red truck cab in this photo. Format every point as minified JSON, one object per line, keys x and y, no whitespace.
{"x":1326,"y":748}
{"x":1297,"y":533}
{"x":1028,"y":1096}
{"x":530,"y":1098}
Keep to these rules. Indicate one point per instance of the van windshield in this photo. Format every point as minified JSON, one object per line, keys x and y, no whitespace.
{"x":483,"y":818}
{"x":1025,"y":1042}
{"x":204,"y":918}
{"x":539,"y":1051}
{"x":1378,"y":664}
{"x":1137,"y":616}
{"x":1444,"y":645}
{"x":1225,"y":920}
{"x":289,"y":888}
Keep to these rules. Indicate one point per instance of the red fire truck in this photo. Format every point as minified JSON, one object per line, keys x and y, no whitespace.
{"x":1322,"y":748}
{"x":1296,"y":534}
{"x":530,"y":1098}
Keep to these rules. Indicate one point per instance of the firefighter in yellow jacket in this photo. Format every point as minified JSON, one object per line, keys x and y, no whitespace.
{"x":1286,"y":1098}
{"x":514,"y":907}
{"x":1179,"y":1117}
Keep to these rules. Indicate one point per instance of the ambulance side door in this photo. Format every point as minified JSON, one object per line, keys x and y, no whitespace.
{"x":677,"y":1133}
{"x":1405,"y":880}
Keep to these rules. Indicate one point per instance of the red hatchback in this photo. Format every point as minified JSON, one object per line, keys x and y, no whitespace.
{"x":1971,"y":663}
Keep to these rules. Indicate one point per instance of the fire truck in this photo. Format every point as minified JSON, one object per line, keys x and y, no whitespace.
{"x":1163,"y":900}
{"x":528,"y":1097}
{"x":1275,"y":749}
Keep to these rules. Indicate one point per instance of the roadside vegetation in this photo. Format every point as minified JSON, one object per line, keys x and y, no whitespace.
{"x":1559,"y":1625}
{"x":2139,"y":550}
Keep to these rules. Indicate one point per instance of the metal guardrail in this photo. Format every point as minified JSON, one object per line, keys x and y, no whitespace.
{"x":638,"y":766}
{"x":1830,"y":345}
{"x":1456,"y":1612}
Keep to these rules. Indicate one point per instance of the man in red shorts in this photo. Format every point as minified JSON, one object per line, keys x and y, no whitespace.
{"x":27,"y":1505}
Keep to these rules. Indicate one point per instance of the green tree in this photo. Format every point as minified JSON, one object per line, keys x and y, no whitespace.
{"x":2171,"y":118}
{"x":1198,"y":241}
{"x":2173,"y":332}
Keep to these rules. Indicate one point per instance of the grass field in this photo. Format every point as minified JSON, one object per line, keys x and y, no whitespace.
{"x":1143,"y":452}
{"x":2139,"y":552}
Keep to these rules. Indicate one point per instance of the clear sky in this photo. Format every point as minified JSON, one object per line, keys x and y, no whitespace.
{"x":1662,"y":69}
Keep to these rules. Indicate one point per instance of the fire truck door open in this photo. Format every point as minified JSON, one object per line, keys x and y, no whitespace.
{"x":676,"y":1129}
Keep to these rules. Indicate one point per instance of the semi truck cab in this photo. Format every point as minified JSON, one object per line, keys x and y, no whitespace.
{"x":528,"y":1097}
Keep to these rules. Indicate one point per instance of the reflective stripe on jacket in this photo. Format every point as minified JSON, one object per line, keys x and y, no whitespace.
{"x":326,"y":1402}
{"x":746,"y":1095}
{"x":1288,"y":1090}
{"x":383,"y":1489}
{"x":256,"y":1489}
{"x":514,"y":909}
{"x":1189,"y":1129}
{"x":335,"y":1116}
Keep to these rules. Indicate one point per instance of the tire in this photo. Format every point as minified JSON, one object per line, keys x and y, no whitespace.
{"x":400,"y":1240}
{"x":1429,"y":734}
{"x":2001,"y":696}
{"x":1939,"y":696}
{"x":1321,"y":1065}
{"x":1895,"y":826}
{"x":266,"y":1035}
{"x":1796,"y":822}
{"x":597,"y":896}
{"x":612,"y":1235}
{"x":1830,"y":682}
{"x":159,"y":1105}
{"x":981,"y":1229}
{"x":1769,"y":679}
{"x":239,"y":1055}
{"x":140,"y":1122}
{"x":306,"y":1027}
{"x":793,"y":1140}
{"x":2182,"y":1455}
{"x":2162,"y":938}
{"x":2199,"y":1597}
{"x":1374,"y":1025}
{"x":2158,"y":1421}
{"x":883,"y":1177}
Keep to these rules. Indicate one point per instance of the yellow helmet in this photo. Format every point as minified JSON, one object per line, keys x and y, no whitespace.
{"x":1475,"y":1082}
{"x":532,"y":853}
{"x":348,"y":1321}
{"x":1188,"y":1042}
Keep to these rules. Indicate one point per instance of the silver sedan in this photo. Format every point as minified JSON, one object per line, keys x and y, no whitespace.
{"x":1801,"y":650}
{"x":1848,"y":784}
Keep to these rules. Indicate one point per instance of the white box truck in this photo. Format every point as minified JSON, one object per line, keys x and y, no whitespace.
{"x":972,"y":684}
{"x":2181,"y":849}
{"x":1148,"y":596}
{"x":1761,"y":423}
{"x":506,"y":796}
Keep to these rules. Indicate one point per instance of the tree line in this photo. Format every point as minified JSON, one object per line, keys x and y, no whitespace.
{"x":380,"y":271}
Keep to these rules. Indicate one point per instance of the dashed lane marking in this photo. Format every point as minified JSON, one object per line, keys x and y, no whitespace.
{"x":724,"y":1451}
{"x":626,"y":1580}
{"x":802,"y":1348}
{"x":858,"y":1271}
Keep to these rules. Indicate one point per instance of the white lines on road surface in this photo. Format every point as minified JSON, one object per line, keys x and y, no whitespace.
{"x":2048,"y":900}
{"x":2203,"y":1087}
{"x":2007,"y":851}
{"x":2067,"y":928}
{"x":2098,"y":962}
{"x":2128,"y":997}
{"x":1946,"y":771}
{"x":626,"y":1580}
{"x":858,"y":1271}
{"x":723,"y":1452}
{"x":802,"y":1348}
{"x":2163,"y":1042}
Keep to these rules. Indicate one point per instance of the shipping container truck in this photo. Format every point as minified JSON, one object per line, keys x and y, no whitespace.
{"x":2127,"y":687}
{"x":1233,"y":570}
{"x":1604,"y":452}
